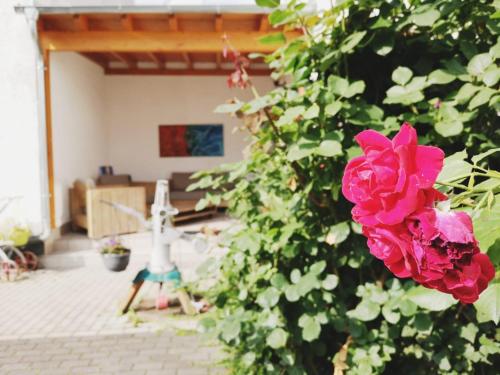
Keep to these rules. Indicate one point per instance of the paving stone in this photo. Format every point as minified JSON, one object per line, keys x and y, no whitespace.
{"x":65,"y":321}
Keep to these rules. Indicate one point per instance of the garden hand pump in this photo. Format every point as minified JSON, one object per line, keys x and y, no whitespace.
{"x":160,"y":268}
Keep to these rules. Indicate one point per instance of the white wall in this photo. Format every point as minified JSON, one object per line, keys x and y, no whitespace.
{"x":136,"y":105}
{"x":21,"y":171}
{"x":99,"y":120}
{"x":80,"y":142}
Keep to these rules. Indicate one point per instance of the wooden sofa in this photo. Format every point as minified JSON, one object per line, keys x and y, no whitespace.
{"x":88,"y":210}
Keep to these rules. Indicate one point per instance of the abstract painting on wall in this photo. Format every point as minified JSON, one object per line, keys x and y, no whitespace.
{"x":191,"y":140}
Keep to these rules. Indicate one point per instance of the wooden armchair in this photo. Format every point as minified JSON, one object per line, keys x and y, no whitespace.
{"x":100,"y":219}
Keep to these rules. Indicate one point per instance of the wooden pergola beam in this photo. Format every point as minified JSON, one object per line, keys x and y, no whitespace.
{"x":127,"y":22}
{"x":264,"y":23}
{"x":173,"y":25}
{"x":218,"y":23}
{"x":142,"y":41}
{"x":81,"y":21}
{"x":182,"y":72}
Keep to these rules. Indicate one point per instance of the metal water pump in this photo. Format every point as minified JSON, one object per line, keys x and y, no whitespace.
{"x":160,"y":268}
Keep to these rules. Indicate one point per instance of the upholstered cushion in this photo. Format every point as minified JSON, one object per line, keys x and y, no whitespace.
{"x":118,"y":179}
{"x":180,"y":181}
{"x":186,"y":195}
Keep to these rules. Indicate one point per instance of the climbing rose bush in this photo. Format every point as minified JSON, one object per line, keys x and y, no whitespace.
{"x":299,"y":292}
{"x":391,"y":185}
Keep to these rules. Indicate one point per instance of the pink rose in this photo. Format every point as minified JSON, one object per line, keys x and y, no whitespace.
{"x":392,"y":245}
{"x":393,"y":178}
{"x":446,"y":254}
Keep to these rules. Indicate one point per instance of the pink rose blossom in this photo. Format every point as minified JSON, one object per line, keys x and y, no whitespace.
{"x":391,"y":244}
{"x":391,"y":185}
{"x":392,"y":179}
{"x":447,"y":255}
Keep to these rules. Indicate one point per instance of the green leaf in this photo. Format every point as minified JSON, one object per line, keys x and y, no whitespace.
{"x":300,"y":151}
{"x":455,"y":166}
{"x":276,"y":38}
{"x":355,"y":88}
{"x":268,"y":298}
{"x":333,"y":108}
{"x":423,"y":323}
{"x":469,"y":332}
{"x":279,"y":17}
{"x":338,"y":233}
{"x":407,"y":307}
{"x":488,"y":304}
{"x":330,"y":282}
{"x":402,"y":75}
{"x":291,"y":115}
{"x":427,"y":18}
{"x":329,"y":148}
{"x":430,"y":299}
{"x":318,"y":267}
{"x":365,"y":311}
{"x":465,"y":93}
{"x":295,"y":276}
{"x":390,"y":315}
{"x":491,"y":76}
{"x":351,"y":41}
{"x":383,"y":43}
{"x":202,"y":204}
{"x":440,"y":77}
{"x":449,"y":128}
{"x":206,"y":324}
{"x":277,"y":339}
{"x":310,"y":328}
{"x":307,"y":283}
{"x":279,"y":281}
{"x":292,"y":293}
{"x":268,"y":3}
{"x":228,"y":108}
{"x":338,"y":85}
{"x":311,"y":112}
{"x":477,"y":158}
{"x":230,"y":329}
{"x":487,"y":225}
{"x":478,"y":64}
{"x":482,"y":97}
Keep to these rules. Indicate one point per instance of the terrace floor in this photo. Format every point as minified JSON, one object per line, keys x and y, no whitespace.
{"x":64,"y":319}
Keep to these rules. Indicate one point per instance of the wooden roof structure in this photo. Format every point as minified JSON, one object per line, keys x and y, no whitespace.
{"x":158,"y":43}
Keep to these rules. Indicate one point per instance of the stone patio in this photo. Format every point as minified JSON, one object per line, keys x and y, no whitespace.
{"x":64,"y":319}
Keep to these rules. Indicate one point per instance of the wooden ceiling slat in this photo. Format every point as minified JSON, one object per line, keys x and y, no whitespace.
{"x":187,"y":60}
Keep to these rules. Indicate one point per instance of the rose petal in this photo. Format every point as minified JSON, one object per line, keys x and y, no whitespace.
{"x":371,"y":139}
{"x":407,"y":135}
{"x":428,"y":162}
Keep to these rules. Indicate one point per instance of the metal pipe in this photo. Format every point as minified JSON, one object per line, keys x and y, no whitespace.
{"x":31,"y":14}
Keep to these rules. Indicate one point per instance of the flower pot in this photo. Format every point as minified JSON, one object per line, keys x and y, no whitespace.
{"x":116,"y":262}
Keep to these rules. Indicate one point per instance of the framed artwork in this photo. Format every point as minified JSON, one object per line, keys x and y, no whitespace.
{"x":191,"y":140}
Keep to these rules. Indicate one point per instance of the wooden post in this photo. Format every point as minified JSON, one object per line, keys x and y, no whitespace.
{"x":48,"y":136}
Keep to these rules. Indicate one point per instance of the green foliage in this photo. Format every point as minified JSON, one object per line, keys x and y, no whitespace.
{"x":298,"y":291}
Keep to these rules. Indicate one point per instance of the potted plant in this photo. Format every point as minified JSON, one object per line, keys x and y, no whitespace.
{"x":115,"y":255}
